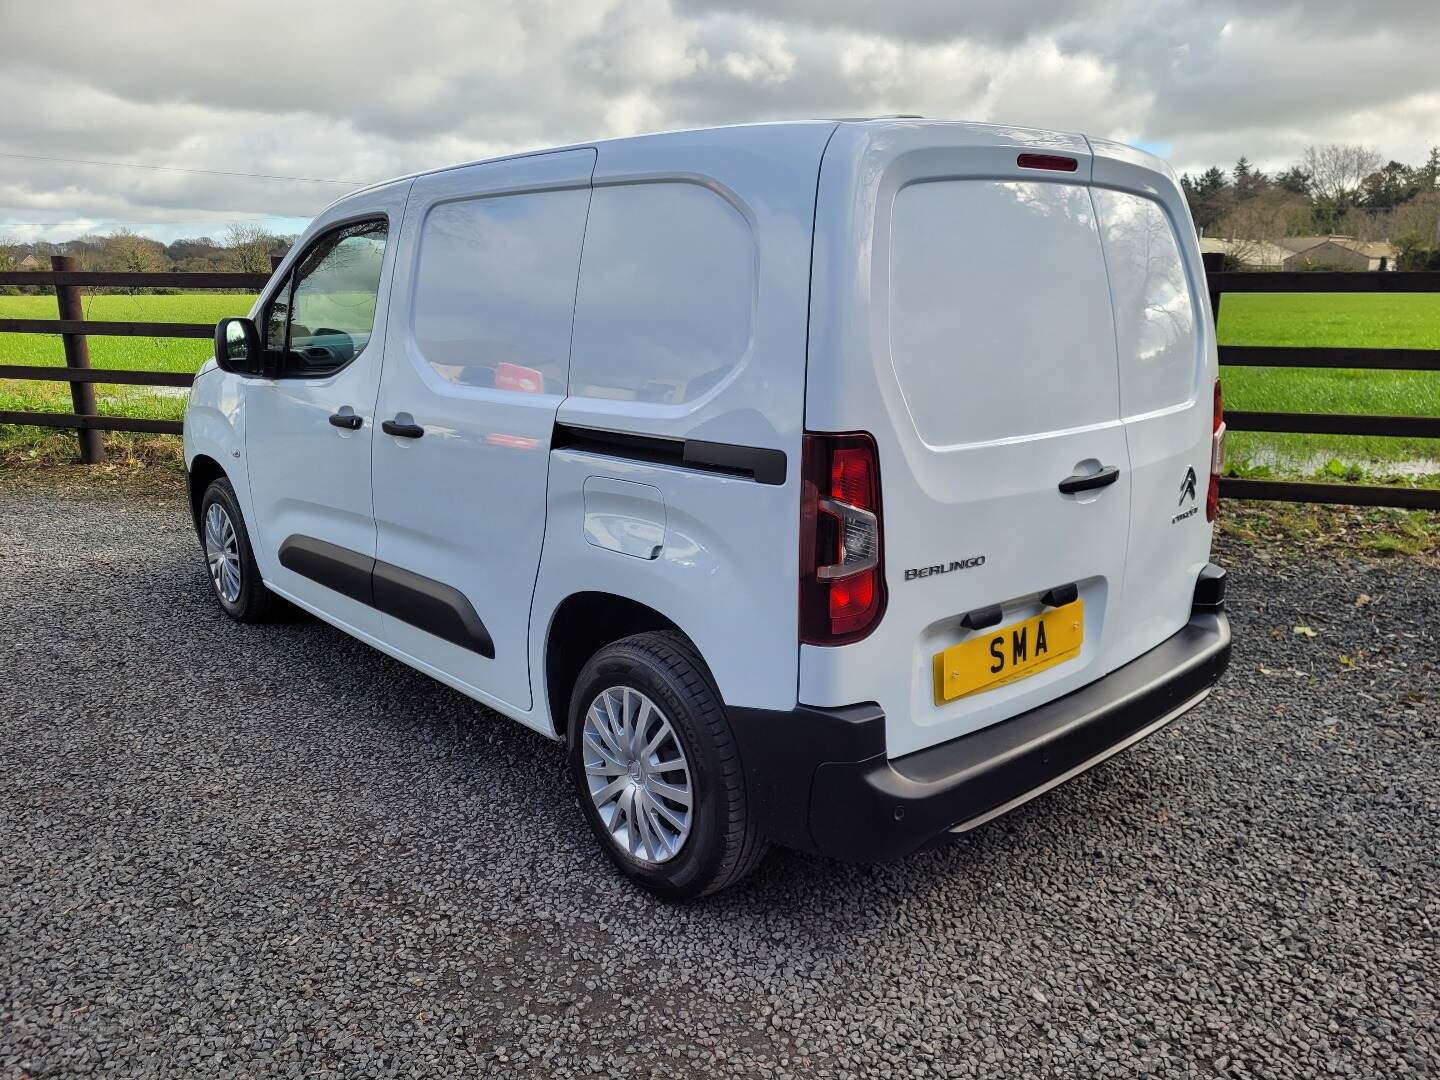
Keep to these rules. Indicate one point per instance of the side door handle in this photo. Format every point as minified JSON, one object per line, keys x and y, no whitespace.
{"x":348,"y":420}
{"x":1104,"y":478}
{"x":402,"y":431}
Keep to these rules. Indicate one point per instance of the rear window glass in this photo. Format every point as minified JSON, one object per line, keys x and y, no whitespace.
{"x":1154,"y":315}
{"x":999,"y":311}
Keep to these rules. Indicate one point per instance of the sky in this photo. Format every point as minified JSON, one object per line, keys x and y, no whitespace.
{"x":357,"y":91}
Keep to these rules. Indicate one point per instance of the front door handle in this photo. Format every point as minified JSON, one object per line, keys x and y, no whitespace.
{"x":402,"y":431}
{"x":348,"y":420}
{"x":1104,"y":478}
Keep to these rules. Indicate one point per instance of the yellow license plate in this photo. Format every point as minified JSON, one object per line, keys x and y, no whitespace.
{"x":995,"y":657}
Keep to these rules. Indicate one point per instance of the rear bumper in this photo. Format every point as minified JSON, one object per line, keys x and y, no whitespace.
{"x":821,"y":781}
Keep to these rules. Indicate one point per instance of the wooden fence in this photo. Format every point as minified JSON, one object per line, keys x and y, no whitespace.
{"x":1423,"y":427}
{"x":74,"y":329}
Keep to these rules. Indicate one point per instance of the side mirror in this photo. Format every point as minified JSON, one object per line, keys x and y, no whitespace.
{"x":238,"y":348}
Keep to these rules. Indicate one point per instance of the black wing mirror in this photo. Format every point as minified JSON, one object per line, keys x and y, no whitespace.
{"x":238,"y":348}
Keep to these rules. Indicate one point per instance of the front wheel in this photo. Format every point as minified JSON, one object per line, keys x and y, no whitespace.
{"x":657,"y":769}
{"x":230,"y":559}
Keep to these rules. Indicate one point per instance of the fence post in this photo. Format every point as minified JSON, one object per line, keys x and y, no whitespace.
{"x":275,"y":261}
{"x":1214,"y":262}
{"x":77,"y":355}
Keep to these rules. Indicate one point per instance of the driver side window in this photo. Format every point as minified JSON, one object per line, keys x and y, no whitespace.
{"x":322,"y":316}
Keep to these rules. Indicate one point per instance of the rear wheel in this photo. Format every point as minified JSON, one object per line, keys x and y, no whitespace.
{"x":657,"y":768}
{"x":230,"y":559}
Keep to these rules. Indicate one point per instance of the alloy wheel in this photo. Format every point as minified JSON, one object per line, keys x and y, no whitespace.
{"x":637,"y":773}
{"x":222,"y":552}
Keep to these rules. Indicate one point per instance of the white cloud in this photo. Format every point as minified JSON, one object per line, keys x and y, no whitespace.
{"x":763,"y":57}
{"x":343,"y":89}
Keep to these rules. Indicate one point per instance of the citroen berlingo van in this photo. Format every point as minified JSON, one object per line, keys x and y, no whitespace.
{"x":840,"y":485}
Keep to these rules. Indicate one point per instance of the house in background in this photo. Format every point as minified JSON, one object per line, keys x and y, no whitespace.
{"x":30,"y":262}
{"x":1338,"y":253}
{"x":1248,"y":254}
{"x":1305,"y":253}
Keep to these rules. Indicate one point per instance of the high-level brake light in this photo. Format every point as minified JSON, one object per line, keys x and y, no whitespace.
{"x":1054,"y":162}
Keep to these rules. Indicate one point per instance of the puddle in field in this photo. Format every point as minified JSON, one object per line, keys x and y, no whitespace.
{"x":1309,"y":465}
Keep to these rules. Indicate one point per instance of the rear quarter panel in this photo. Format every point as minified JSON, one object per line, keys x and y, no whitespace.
{"x":712,"y":349}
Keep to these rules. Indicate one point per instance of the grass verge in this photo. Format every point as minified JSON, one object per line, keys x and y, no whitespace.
{"x":1332,"y":530}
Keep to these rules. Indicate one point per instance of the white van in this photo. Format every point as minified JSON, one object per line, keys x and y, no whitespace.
{"x":841,"y":485}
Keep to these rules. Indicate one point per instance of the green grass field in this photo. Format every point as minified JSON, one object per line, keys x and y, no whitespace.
{"x":1340,"y":319}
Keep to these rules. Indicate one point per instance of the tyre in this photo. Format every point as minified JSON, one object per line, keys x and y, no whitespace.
{"x":657,"y":768}
{"x":230,"y":559}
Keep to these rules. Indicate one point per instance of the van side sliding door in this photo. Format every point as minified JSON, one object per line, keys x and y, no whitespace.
{"x":478,"y":361}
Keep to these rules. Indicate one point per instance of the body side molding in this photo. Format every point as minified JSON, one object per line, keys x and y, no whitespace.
{"x":431,"y":606}
{"x":764,"y":466}
{"x":347,"y":572}
{"x":422,"y":602}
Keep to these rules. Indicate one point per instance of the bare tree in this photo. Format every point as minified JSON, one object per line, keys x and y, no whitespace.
{"x":1337,"y":173}
{"x":127,"y":250}
{"x":249,"y":248}
{"x":1415,"y":230}
{"x":1263,"y":219}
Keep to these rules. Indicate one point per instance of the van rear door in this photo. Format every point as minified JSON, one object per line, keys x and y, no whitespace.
{"x":961,"y":314}
{"x":1166,"y":346}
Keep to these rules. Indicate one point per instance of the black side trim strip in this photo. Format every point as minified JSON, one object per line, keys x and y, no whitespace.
{"x":422,"y":602}
{"x":756,"y":463}
{"x":347,"y":572}
{"x":431,"y":606}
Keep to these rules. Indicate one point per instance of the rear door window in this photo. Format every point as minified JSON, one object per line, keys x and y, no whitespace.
{"x":999,"y":313}
{"x":1154,"y":311}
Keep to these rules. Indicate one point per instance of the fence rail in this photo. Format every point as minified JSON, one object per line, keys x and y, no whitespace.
{"x":94,"y":375}
{"x":86,"y":327}
{"x":1319,"y":357}
{"x":136,"y":280}
{"x":75,"y":330}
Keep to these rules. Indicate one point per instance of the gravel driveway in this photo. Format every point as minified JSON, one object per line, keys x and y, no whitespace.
{"x":244,"y":851}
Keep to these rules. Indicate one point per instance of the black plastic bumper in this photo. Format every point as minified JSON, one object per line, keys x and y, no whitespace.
{"x":821,"y":781}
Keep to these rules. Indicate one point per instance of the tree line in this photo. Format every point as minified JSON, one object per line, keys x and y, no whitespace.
{"x":1343,"y":190}
{"x":242,"y":249}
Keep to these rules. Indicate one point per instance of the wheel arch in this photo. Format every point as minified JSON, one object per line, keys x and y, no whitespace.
{"x":204,"y":470}
{"x":583,"y":624}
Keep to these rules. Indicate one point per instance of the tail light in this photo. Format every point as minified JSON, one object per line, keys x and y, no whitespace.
{"x":1217,"y":457}
{"x":842,"y":574}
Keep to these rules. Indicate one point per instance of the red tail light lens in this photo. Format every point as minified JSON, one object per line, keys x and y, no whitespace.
{"x":1217,"y":456}
{"x":842,"y":578}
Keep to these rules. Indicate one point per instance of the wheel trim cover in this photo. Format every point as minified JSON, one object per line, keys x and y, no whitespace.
{"x":637,"y":775}
{"x":222,"y":553}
